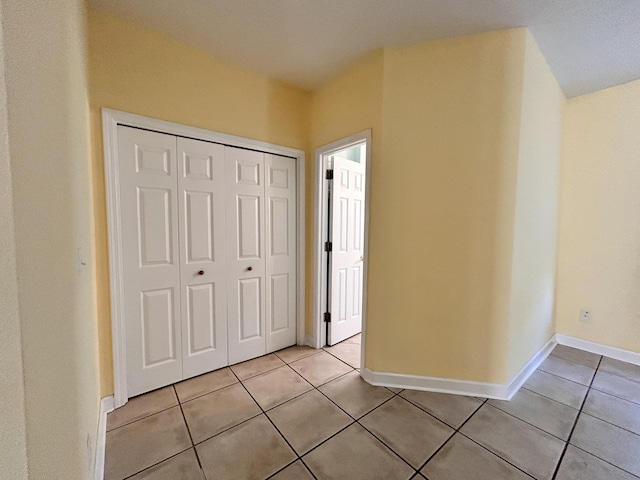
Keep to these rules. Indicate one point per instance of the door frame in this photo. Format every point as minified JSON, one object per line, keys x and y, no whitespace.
{"x":110,"y":121}
{"x":320,"y":223}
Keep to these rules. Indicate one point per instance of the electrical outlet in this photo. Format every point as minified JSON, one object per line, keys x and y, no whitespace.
{"x":585,"y":316}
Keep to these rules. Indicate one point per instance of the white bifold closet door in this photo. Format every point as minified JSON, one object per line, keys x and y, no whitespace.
{"x":209,"y":255}
{"x":172,"y":201}
{"x":261,"y":260}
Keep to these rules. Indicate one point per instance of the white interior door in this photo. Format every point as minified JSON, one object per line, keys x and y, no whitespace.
{"x":203,"y":278}
{"x":347,"y":234}
{"x":244,"y":171}
{"x":151,"y":261}
{"x":280,"y":281}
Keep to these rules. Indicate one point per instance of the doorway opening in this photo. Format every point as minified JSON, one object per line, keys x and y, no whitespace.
{"x":341,"y":239}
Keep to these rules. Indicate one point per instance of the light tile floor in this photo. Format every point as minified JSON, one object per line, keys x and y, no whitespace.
{"x":303,"y":413}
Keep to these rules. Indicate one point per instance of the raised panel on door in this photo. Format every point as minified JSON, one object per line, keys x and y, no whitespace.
{"x":281,"y":253}
{"x":149,"y":204}
{"x":201,"y":184}
{"x":347,"y":233}
{"x":245,"y":176}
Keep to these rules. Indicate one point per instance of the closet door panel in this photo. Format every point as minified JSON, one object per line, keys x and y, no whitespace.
{"x":280,"y":193}
{"x":201,"y":183}
{"x":148,"y":198}
{"x":245,"y":253}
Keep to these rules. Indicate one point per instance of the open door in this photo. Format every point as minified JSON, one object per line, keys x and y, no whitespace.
{"x":347,"y":244}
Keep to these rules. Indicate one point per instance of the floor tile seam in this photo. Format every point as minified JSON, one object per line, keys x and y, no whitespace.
{"x":496,"y":454}
{"x":604,"y":460}
{"x":309,"y":469}
{"x":620,"y":376}
{"x":334,"y":378}
{"x":142,"y":418}
{"x":226,"y":429}
{"x":342,"y":409}
{"x":614,"y":395}
{"x":271,"y":421}
{"x":283,"y":468}
{"x":163,"y":460}
{"x":637,"y":434}
{"x":575,"y":423}
{"x":546,"y":396}
{"x":300,"y":375}
{"x":565,"y":378}
{"x":335,"y":356}
{"x":209,"y":393}
{"x":573,"y":361}
{"x":388,"y":446}
{"x":433,"y":415}
{"x":317,"y":350}
{"x":453,"y":434}
{"x":327,"y":439}
{"x":535,"y":426}
{"x":260,"y":373}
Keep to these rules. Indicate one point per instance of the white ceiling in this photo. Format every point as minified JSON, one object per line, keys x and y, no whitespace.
{"x":589,"y":44}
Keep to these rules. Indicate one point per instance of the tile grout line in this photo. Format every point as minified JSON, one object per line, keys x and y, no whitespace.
{"x":575,"y":423}
{"x":455,"y":430}
{"x":186,"y":424}
{"x":158,"y":463}
{"x":605,"y":461}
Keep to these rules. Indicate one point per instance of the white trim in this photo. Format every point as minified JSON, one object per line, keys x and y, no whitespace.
{"x":106,"y":406}
{"x":110,"y":121}
{"x":320,"y":226}
{"x":599,"y":349}
{"x":461,"y":387}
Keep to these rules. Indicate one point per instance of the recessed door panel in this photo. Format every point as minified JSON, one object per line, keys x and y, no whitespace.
{"x":250,"y":308}
{"x":249,"y":226}
{"x":152,"y":160}
{"x":158,"y":326}
{"x":154,"y":226}
{"x":199,"y":226}
{"x":201,"y":318}
{"x":248,"y":172}
{"x":278,"y":177}
{"x":197,"y":166}
{"x":343,"y":232}
{"x":279,"y":226}
{"x":279,"y":299}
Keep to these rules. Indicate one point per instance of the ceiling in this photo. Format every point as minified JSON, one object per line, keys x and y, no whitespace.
{"x":589,"y":44}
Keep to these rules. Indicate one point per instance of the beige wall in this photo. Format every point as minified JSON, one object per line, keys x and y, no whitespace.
{"x":138,"y":71}
{"x":13,"y":442}
{"x":439,"y":305}
{"x":51,"y":181}
{"x":599,"y":248}
{"x":349,"y":104}
{"x":536,"y":210}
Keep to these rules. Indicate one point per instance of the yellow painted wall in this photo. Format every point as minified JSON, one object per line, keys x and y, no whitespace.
{"x":599,"y":248}
{"x":139,"y":71}
{"x":536,"y":213}
{"x":13,"y":441}
{"x":48,"y":131}
{"x":438,"y":302}
{"x":349,"y":104}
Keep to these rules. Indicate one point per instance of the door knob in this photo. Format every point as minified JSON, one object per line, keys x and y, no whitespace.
{"x":201,"y":272}
{"x":249,"y":268}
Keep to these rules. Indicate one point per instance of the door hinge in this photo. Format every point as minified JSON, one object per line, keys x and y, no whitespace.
{"x":329,"y":175}
{"x":327,"y":317}
{"x":328,"y":246}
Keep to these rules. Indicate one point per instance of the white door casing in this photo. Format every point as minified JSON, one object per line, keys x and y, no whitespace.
{"x":280,"y":193}
{"x":201,"y":184}
{"x":347,"y":236}
{"x":151,"y":260}
{"x":244,"y":170}
{"x":119,"y":207}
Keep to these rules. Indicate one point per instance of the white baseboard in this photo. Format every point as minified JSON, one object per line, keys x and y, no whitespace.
{"x":310,"y":341}
{"x":106,"y":406}
{"x":599,"y":349}
{"x":460,"y":387}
